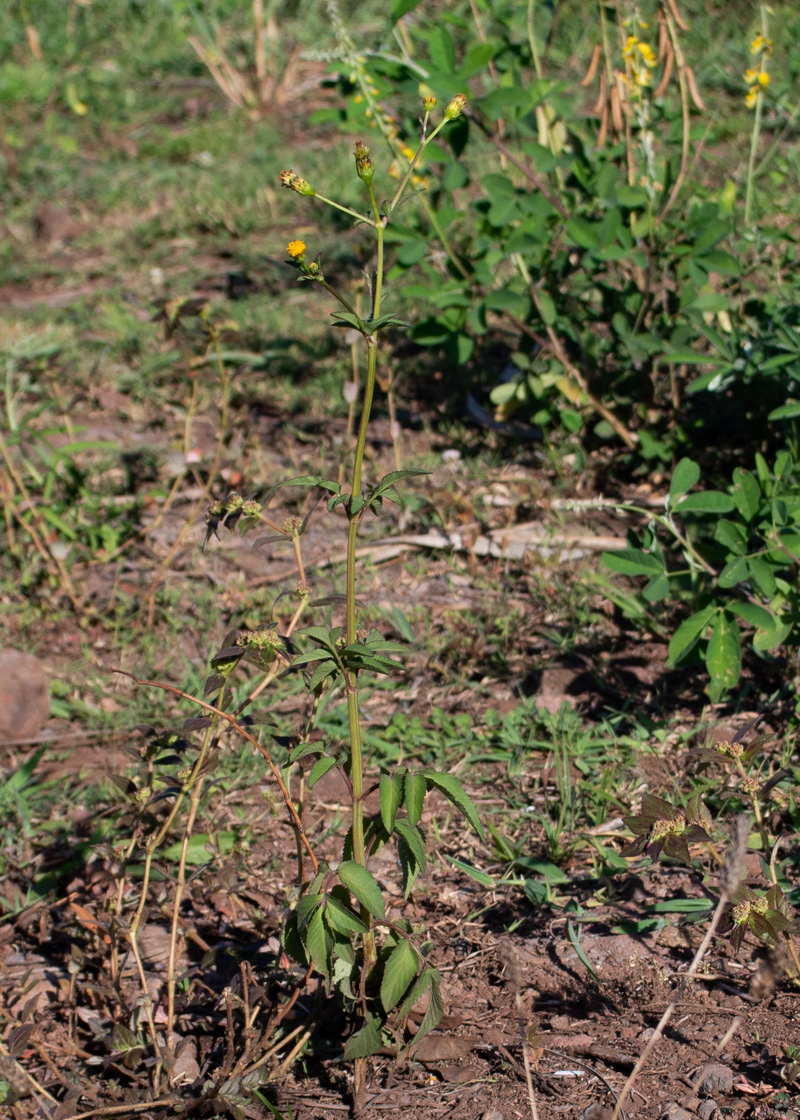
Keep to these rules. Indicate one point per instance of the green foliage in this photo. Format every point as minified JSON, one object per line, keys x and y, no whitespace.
{"x":732,"y":557}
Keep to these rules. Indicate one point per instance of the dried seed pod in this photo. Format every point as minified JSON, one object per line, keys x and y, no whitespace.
{"x":593,"y":64}
{"x":681,"y":22}
{"x":694,"y":91}
{"x":602,"y":135}
{"x":616,"y":109}
{"x":664,"y":44}
{"x":602,"y":96}
{"x":661,"y":89}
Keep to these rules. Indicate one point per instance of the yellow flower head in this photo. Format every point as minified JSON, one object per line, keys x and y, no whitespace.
{"x":763,"y":79}
{"x":752,"y":96}
{"x":762,"y":45}
{"x":750,"y":76}
{"x":455,"y":107}
{"x":428,"y":103}
{"x":296,"y":250}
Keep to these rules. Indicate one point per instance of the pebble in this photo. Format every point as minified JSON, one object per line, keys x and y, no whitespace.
{"x":673,"y":1111}
{"x":707,"y":1109}
{"x":716,"y":1079}
{"x":493,"y":1114}
{"x":24,"y":695}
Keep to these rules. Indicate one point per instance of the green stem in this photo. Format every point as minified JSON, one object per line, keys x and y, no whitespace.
{"x":748,"y":199}
{"x":344,"y":209}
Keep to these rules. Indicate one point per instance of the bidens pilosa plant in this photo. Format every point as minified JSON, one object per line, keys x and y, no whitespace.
{"x":338,"y":925}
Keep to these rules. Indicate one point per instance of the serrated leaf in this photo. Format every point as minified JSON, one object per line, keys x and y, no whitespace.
{"x":435,"y":1011}
{"x":314,"y":480}
{"x":342,"y":918}
{"x":319,"y":769}
{"x":685,"y":475}
{"x":321,"y":673}
{"x":347,"y":319}
{"x":316,"y":942}
{"x":416,"y":787}
{"x":408,"y":866}
{"x":362,"y":884}
{"x":306,"y":907}
{"x":454,"y":792}
{"x":398,"y":973}
{"x":365,"y":1041}
{"x":391,"y":797}
{"x":414,"y":839}
{"x":687,"y":634}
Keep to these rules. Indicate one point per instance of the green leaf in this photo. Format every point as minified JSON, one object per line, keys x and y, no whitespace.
{"x":547,"y":307}
{"x":454,"y":792}
{"x":391,"y":797}
{"x":320,"y":768}
{"x":583,"y":233}
{"x":348,"y":319}
{"x":316,"y":943}
{"x":321,"y":673}
{"x":656,"y":589}
{"x":314,"y":480}
{"x":433,"y":1015}
{"x":687,"y":634}
{"x":415,"y":794}
{"x":732,"y":535}
{"x":473,"y":872}
{"x":408,"y":866}
{"x":785,"y":411}
{"x":771,"y":639}
{"x":414,"y":839}
{"x":342,"y":918}
{"x":685,"y":475}
{"x":572,"y":934}
{"x":679,"y":906}
{"x":306,"y":907}
{"x":707,"y":501}
{"x":634,"y":562}
{"x":401,"y":8}
{"x":746,"y":493}
{"x":724,"y":655}
{"x":365,"y":1041}
{"x":398,"y":973}
{"x":753,"y":615}
{"x":442,"y":49}
{"x":362,"y":883}
{"x":762,"y":575}
{"x":735,"y":571}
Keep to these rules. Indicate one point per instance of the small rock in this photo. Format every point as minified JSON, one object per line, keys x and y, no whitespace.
{"x":24,"y":695}
{"x":596,"y":1111}
{"x":493,"y":1114}
{"x":561,"y":1023}
{"x":673,"y":1111}
{"x":707,"y":1109}
{"x":691,"y":1104}
{"x":716,"y":1079}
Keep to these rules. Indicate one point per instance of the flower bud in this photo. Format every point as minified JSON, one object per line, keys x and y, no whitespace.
{"x":364,"y":168}
{"x":295,"y":182}
{"x":429,"y":103}
{"x":455,"y":107}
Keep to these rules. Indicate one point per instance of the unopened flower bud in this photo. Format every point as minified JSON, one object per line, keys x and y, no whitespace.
{"x":428,"y":103}
{"x":455,"y":107}
{"x":295,"y":182}
{"x":364,"y":168}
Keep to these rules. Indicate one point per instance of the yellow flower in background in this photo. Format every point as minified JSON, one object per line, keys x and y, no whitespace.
{"x":763,"y":79}
{"x":762,"y":45}
{"x":296,"y":250}
{"x":750,"y":76}
{"x":752,"y":97}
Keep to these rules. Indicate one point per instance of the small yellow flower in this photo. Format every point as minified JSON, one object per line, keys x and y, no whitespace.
{"x":455,"y":107}
{"x":750,"y":76}
{"x":763,"y":79}
{"x":751,"y":98}
{"x":296,"y":250}
{"x":762,"y":45}
{"x":428,"y":103}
